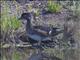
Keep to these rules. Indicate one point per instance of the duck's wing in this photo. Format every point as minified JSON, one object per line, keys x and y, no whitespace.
{"x":43,"y":32}
{"x":43,"y":28}
{"x":47,"y":30}
{"x":38,"y":32}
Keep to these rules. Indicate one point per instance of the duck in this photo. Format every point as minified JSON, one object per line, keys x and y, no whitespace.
{"x":38,"y":33}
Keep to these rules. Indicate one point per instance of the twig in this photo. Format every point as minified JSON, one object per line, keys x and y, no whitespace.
{"x":16,"y":45}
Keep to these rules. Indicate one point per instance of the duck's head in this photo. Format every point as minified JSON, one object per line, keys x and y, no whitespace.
{"x":25,"y":16}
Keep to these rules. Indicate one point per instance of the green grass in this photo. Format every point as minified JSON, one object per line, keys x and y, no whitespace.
{"x":37,"y":12}
{"x":7,"y":21}
{"x":53,"y":7}
{"x":11,"y":23}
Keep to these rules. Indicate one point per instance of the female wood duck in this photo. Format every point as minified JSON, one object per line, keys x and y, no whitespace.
{"x":38,"y":33}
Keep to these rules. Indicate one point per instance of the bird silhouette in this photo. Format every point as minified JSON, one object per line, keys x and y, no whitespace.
{"x":38,"y":33}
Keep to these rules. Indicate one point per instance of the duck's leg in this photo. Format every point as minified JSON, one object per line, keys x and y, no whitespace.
{"x":39,"y":43}
{"x":39,"y":50}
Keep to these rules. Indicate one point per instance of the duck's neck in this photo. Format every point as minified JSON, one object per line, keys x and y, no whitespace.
{"x":28,"y":25}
